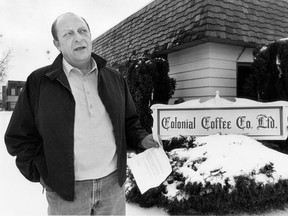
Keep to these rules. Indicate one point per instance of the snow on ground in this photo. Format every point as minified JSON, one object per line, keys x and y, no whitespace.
{"x":18,"y":196}
{"x":218,"y":157}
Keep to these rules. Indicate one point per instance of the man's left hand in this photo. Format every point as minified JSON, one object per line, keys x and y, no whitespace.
{"x":148,"y":142}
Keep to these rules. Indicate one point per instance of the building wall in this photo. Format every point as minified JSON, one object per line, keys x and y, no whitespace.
{"x":202,"y":70}
{"x":4,"y":98}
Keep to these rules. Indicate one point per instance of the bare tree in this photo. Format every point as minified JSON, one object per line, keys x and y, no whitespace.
{"x":3,"y":65}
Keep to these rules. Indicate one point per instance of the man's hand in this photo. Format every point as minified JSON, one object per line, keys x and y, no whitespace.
{"x":148,"y":142}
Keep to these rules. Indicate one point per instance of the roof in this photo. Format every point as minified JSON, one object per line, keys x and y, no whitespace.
{"x":168,"y":25}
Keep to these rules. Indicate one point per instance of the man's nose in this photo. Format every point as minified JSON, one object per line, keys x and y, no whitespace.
{"x":78,"y":37}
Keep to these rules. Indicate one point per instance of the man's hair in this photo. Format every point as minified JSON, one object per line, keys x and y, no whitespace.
{"x":54,"y":29}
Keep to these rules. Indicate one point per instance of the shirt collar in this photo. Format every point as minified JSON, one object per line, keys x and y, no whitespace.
{"x":68,"y":68}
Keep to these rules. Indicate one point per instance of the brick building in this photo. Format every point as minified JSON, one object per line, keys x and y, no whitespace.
{"x":10,"y":94}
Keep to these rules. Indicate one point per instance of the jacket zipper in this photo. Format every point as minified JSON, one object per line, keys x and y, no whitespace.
{"x":73,"y":140}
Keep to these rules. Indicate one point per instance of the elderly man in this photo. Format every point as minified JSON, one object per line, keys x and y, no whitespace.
{"x":71,"y":125}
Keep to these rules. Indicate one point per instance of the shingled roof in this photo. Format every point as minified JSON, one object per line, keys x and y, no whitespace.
{"x":167,"y":25}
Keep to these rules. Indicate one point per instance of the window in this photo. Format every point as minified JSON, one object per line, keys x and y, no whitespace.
{"x":13,"y":92}
{"x":243,"y":72}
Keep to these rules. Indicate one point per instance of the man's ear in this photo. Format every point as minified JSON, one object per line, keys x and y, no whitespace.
{"x":57,"y":44}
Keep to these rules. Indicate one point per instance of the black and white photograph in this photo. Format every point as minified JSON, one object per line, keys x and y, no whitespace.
{"x":144,"y":107}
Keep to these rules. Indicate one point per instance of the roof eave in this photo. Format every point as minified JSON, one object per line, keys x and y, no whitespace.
{"x":177,"y":47}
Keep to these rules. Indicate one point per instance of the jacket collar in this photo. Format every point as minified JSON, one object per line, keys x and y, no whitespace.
{"x":56,"y":69}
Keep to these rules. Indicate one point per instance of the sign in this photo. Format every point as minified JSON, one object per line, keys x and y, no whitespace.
{"x":266,"y":121}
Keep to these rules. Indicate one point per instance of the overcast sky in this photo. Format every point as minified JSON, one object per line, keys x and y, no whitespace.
{"x":25,"y":27}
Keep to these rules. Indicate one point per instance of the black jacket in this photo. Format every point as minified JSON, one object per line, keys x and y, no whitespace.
{"x":40,"y":132}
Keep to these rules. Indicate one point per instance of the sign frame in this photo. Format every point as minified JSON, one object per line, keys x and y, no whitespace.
{"x":217,"y":104}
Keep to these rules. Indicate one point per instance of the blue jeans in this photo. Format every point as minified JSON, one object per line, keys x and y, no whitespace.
{"x":101,"y":196}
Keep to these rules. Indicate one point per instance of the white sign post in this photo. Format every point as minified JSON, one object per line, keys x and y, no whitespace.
{"x":262,"y":121}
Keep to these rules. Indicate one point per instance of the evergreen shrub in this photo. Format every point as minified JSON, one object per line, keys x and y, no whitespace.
{"x":193,"y":198}
{"x":149,"y":83}
{"x":269,"y":79}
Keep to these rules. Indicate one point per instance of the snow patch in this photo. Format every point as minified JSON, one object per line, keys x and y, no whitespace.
{"x":220,"y":158}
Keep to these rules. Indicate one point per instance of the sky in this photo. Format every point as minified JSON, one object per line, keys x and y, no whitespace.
{"x":25,"y":27}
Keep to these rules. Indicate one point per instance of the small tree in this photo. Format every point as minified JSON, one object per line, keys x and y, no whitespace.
{"x":149,"y":83}
{"x":3,"y":66}
{"x":163,"y":85}
{"x":269,"y":79}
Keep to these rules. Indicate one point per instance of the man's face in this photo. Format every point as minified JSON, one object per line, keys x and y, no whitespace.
{"x":74,"y":39}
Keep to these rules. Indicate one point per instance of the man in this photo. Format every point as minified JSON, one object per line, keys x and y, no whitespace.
{"x":71,"y":124}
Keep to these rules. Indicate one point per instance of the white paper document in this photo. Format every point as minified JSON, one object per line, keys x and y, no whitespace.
{"x":150,"y":168}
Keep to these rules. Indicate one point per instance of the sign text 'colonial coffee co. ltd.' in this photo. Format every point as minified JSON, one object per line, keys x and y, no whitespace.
{"x":246,"y":117}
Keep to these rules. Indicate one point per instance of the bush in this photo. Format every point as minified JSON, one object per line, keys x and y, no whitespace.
{"x":269,"y":81}
{"x":192,"y":198}
{"x":149,"y":83}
